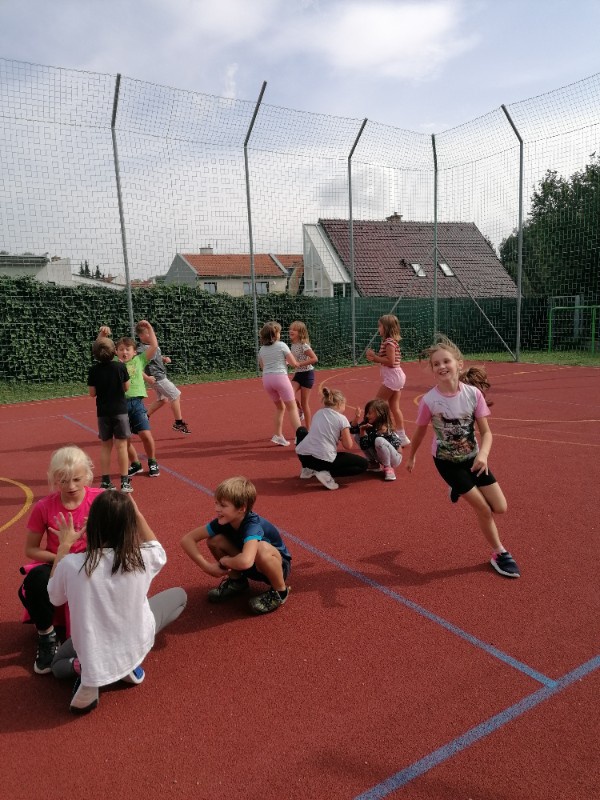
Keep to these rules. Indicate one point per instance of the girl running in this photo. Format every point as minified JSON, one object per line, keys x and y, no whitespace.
{"x":377,"y":439}
{"x":304,"y":377}
{"x":273,"y":358}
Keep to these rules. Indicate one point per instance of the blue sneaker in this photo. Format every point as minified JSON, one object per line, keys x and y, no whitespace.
{"x":505,"y":565}
{"x":136,"y":675}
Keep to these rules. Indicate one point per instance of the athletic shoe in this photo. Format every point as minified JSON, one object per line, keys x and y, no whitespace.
{"x":389,"y":474}
{"x":453,"y":495}
{"x":153,"y":470}
{"x":84,"y":698}
{"x":326,"y":479}
{"x":301,"y":416}
{"x":181,"y":427}
{"x":267,"y":602}
{"x":374,"y":466}
{"x":404,"y":440}
{"x":307,"y":473}
{"x":505,"y":564}
{"x":228,"y":588}
{"x":126,"y":486}
{"x":107,"y":485}
{"x":281,"y":440}
{"x":134,"y":469}
{"x":136,"y":675}
{"x":47,"y":646}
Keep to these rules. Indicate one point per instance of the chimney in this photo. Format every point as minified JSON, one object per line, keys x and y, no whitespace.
{"x":395,"y":217}
{"x":206,"y":251}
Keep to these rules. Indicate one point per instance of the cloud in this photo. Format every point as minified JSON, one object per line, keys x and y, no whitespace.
{"x":230,"y":88}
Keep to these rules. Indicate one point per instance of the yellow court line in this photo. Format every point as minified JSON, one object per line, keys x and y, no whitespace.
{"x":26,"y":505}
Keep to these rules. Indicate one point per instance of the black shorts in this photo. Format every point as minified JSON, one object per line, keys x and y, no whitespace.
{"x":458,"y":475}
{"x":255,"y":575}
{"x":116,"y":427}
{"x":305,"y":379}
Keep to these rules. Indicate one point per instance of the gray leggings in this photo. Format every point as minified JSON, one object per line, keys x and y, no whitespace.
{"x":166,"y":607}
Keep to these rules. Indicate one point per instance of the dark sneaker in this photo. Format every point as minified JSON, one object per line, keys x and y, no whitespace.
{"x":181,"y":427}
{"x":153,"y":470}
{"x":107,"y":485}
{"x":505,"y":564}
{"x":136,"y":675}
{"x":126,"y":486}
{"x":84,"y":698}
{"x":47,"y":646}
{"x":267,"y":602}
{"x":134,"y":469}
{"x":228,"y":588}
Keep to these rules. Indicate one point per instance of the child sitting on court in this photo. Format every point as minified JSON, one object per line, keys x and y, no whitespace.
{"x":244,"y":546}
{"x":156,"y":376}
{"x":377,"y":439}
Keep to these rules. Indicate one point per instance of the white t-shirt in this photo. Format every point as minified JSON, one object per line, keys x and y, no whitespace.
{"x":452,"y":417}
{"x":112,"y":625}
{"x":273,"y":357}
{"x":324,"y":434}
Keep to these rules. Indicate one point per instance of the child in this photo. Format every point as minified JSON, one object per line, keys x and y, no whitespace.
{"x":108,"y":380}
{"x":70,"y":476}
{"x":138,"y":419}
{"x":112,"y":622}
{"x":304,"y":377}
{"x":454,"y":408}
{"x":317,"y":448}
{"x":244,"y":546}
{"x":392,"y":374}
{"x":376,"y":437}
{"x":273,"y":358}
{"x":156,"y":376}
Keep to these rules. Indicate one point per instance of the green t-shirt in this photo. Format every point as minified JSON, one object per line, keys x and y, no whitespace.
{"x":135,"y":369}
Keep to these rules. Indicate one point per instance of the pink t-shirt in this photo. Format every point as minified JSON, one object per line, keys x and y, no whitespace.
{"x":453,"y":420}
{"x":46,"y":509}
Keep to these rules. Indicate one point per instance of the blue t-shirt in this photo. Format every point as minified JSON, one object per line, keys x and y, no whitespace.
{"x":252,"y":527}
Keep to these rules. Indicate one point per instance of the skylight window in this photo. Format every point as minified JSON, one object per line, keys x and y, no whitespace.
{"x":418,"y":270}
{"x":445,"y":269}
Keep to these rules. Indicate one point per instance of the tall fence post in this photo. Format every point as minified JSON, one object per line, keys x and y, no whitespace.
{"x":120,"y":201}
{"x":520,"y":236}
{"x":435,"y":236}
{"x":250,"y":236}
{"x":351,"y":242}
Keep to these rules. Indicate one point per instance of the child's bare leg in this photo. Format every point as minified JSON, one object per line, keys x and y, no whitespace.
{"x":495,"y":498}
{"x":397,"y":414}
{"x":485,"y":517}
{"x":278,"y":418}
{"x":305,"y":401}
{"x":132,"y":453}
{"x":153,"y":407}
{"x":268,"y":561}
{"x":122,"y":460}
{"x":292,"y":410}
{"x":176,"y":409}
{"x":148,"y":442}
{"x":383,"y":393}
{"x":105,"y":451}
{"x":220,"y":546}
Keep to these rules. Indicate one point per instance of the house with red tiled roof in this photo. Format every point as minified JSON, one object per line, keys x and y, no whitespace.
{"x":230,"y":272}
{"x":393,"y":258}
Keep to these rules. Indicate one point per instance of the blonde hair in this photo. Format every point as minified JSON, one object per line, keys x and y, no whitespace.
{"x":238,"y":491}
{"x":391,"y":327}
{"x":441,"y":342}
{"x":332,"y":398}
{"x":302,"y":330}
{"x":269,"y":332}
{"x":474,"y":376}
{"x":65,"y":462}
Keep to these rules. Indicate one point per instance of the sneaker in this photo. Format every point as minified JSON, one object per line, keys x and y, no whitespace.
{"x":389,"y":474}
{"x":505,"y":564}
{"x":107,"y":485}
{"x":404,"y":440}
{"x":153,"y":470}
{"x":307,"y":473}
{"x":126,"y":486}
{"x":453,"y":495}
{"x":181,"y":427}
{"x":134,"y":469}
{"x":47,"y":646}
{"x":228,"y":588}
{"x":267,"y":602}
{"x":374,"y":466}
{"x":301,"y":416}
{"x":281,"y":440}
{"x":136,"y":675}
{"x":326,"y":479}
{"x":84,"y":698}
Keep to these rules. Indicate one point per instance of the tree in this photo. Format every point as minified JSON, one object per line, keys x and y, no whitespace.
{"x":97,"y":273}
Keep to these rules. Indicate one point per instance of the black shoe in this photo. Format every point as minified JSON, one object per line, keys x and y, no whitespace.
{"x":48,"y":644}
{"x":153,"y":470}
{"x":181,"y":427}
{"x":134,"y":469}
{"x":126,"y":486}
{"x":107,"y":485}
{"x":505,"y":564}
{"x":228,"y":588}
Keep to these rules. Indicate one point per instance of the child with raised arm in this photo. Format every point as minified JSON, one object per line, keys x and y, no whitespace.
{"x":244,"y":546}
{"x":70,"y":476}
{"x":273,"y":358}
{"x":156,"y":376}
{"x":392,"y":374}
{"x":317,"y":448}
{"x":108,"y":380}
{"x":377,"y":439}
{"x":454,"y":408}
{"x":304,"y":377}
{"x":113,"y":623}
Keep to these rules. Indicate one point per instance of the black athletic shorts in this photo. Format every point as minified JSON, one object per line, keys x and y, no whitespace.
{"x":458,"y":475}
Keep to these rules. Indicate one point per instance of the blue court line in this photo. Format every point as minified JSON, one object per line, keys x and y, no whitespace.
{"x":423,"y":612}
{"x":437,"y":757}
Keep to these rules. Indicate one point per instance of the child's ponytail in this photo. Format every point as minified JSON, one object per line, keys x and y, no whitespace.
{"x":476,"y":376}
{"x":332,"y":398}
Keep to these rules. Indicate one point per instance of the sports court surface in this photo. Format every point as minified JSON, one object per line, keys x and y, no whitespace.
{"x":402,"y":665}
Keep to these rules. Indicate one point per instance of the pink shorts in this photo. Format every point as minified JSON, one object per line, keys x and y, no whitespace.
{"x":393,"y":378}
{"x":278,"y":386}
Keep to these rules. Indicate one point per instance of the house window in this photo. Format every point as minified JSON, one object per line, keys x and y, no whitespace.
{"x":210,"y":287}
{"x":339,"y":290}
{"x":247,"y":287}
{"x":418,"y":270}
{"x":262,"y":287}
{"x":445,"y":269}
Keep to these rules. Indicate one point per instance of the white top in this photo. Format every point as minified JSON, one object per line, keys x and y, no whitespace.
{"x":324,"y":434}
{"x":112,"y":625}
{"x":273,"y":357}
{"x":452,"y":417}
{"x":299,"y":352}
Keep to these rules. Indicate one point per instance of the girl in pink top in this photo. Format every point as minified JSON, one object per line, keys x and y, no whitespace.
{"x":392,"y":374}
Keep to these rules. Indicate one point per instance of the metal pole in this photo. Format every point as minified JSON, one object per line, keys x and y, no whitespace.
{"x":435,"y":237}
{"x":120,"y":201}
{"x":520,"y":236}
{"x":250,"y":238}
{"x":351,"y":242}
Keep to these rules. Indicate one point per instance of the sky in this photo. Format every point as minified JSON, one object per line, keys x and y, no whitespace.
{"x":425,"y":65}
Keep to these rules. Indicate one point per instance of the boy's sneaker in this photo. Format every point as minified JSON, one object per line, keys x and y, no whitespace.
{"x":84,"y":698}
{"x":374,"y":466}
{"x":389,"y":474}
{"x":134,"y":469}
{"x":153,"y":470}
{"x":181,"y":427}
{"x":267,"y":602}
{"x":307,"y":473}
{"x":126,"y":486}
{"x":107,"y":485}
{"x":281,"y":440}
{"x":136,"y":675}
{"x":325,"y":478}
{"x":505,"y":564}
{"x":47,"y":646}
{"x":228,"y":588}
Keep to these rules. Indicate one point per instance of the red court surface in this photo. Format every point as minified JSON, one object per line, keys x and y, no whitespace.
{"x":401,"y":666}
